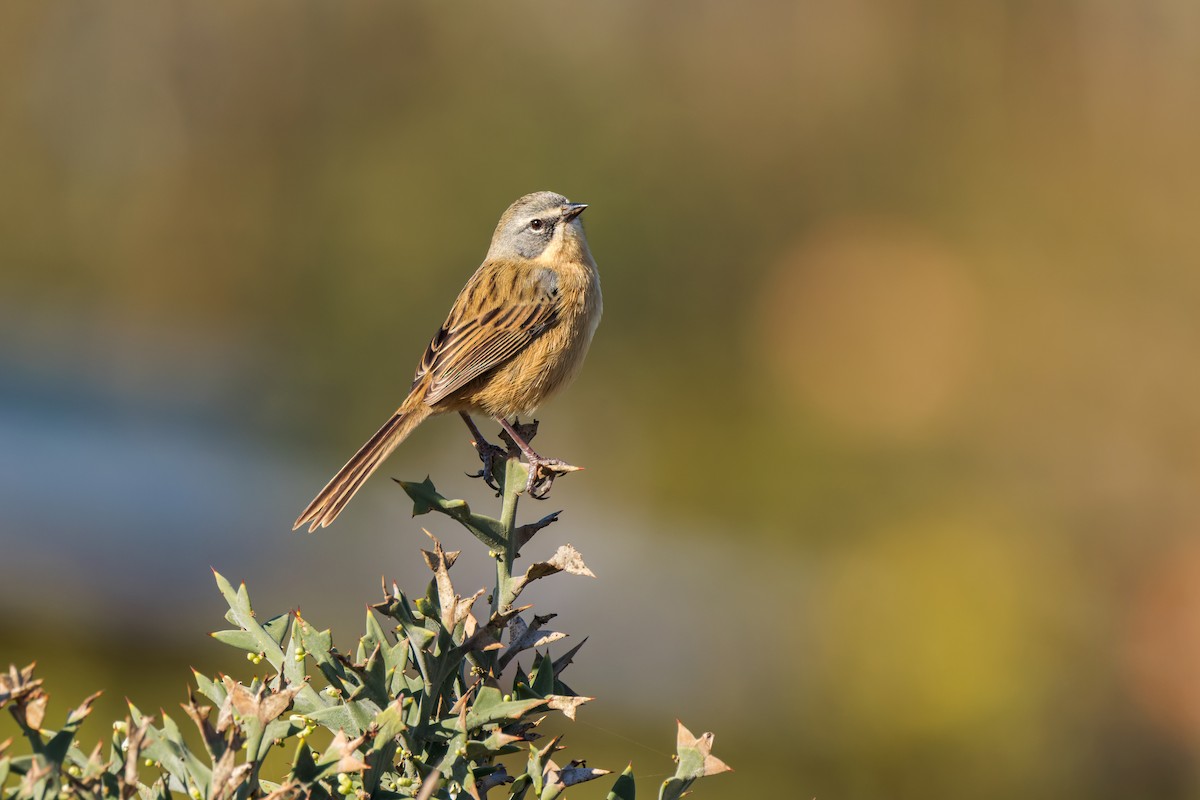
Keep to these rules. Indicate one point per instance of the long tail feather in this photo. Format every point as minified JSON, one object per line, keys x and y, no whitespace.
{"x":330,"y":501}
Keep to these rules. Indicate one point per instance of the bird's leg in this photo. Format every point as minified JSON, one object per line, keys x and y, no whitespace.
{"x":542,"y":471}
{"x":489,"y":454}
{"x":525,"y":432}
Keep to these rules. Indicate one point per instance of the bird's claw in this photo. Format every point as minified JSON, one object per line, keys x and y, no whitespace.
{"x":487,"y":479}
{"x":490,"y":455}
{"x":542,"y":473}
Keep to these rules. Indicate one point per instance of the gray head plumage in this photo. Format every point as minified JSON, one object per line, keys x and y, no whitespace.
{"x":528,"y":226}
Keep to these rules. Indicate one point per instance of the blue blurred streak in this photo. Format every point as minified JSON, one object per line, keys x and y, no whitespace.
{"x":121,"y":505}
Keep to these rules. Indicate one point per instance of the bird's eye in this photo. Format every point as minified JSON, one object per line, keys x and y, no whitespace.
{"x":537,"y":225}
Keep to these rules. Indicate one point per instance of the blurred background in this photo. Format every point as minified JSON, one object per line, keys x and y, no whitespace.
{"x":891,"y":425}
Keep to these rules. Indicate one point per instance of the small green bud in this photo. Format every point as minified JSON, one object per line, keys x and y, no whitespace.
{"x":404,"y":781}
{"x":119,"y":726}
{"x":149,"y":762}
{"x":74,"y":771}
{"x":508,"y":698}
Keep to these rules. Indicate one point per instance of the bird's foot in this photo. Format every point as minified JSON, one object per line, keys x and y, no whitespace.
{"x":492,"y":456}
{"x":542,"y":472}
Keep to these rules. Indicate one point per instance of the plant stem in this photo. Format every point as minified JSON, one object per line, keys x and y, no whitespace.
{"x":515,"y":475}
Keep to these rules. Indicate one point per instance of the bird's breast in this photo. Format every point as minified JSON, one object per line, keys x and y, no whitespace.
{"x":553,"y":359}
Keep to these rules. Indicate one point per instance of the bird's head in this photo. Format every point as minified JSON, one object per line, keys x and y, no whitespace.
{"x":539,"y":226}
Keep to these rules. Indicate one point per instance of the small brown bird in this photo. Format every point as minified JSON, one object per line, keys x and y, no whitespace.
{"x":517,"y":333}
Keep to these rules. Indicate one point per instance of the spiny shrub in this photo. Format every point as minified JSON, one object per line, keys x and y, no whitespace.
{"x":424,"y":707}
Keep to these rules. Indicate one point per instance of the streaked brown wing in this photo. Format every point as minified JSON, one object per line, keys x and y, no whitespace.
{"x":499,"y":312}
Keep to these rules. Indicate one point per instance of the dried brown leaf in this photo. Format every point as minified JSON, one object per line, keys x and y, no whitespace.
{"x":460,"y":610}
{"x":702,"y":744}
{"x":35,"y":708}
{"x":551,"y":747}
{"x":440,"y":562}
{"x":223,"y":783}
{"x":274,"y":704}
{"x":567,"y":705}
{"x":18,"y":683}
{"x":81,"y":711}
{"x":243,"y":702}
{"x":264,"y":706}
{"x":133,"y":752}
{"x":566,"y":559}
{"x":521,"y":636}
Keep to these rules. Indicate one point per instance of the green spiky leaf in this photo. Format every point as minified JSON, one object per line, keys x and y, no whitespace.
{"x":695,"y":761}
{"x":209,"y":688}
{"x":624,"y":787}
{"x":490,"y":706}
{"x":426,"y":498}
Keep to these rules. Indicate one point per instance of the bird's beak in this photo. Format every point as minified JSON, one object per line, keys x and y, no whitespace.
{"x":572,"y":210}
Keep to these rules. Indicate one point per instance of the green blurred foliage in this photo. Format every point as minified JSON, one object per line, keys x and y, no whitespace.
{"x":917,"y":279}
